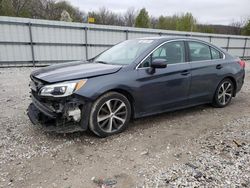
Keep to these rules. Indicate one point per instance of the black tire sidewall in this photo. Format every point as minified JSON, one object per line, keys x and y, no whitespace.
{"x":216,"y":100}
{"x":93,"y":125}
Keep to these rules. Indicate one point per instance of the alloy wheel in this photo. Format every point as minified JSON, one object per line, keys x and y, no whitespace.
{"x":112,"y":115}
{"x":225,"y":93}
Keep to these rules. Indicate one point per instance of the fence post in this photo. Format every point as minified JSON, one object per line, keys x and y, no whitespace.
{"x":244,"y":49}
{"x":210,"y":38}
{"x":31,"y":44}
{"x":228,"y":41}
{"x":126,"y":32}
{"x":86,"y":43}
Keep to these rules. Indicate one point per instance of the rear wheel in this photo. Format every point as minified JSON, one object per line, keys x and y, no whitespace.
{"x":110,"y":114}
{"x":224,"y":93}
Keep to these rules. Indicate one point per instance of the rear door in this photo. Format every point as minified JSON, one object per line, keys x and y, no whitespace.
{"x":206,"y":66}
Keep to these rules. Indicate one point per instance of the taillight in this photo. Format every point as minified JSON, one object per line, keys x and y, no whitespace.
{"x":242,"y":63}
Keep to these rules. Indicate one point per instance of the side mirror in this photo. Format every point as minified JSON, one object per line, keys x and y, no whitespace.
{"x":159,"y":63}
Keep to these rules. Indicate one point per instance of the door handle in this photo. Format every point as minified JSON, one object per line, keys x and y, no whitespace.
{"x":185,"y":72}
{"x":219,"y":66}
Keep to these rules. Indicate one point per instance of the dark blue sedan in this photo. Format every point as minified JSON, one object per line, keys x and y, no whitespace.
{"x":134,"y":78}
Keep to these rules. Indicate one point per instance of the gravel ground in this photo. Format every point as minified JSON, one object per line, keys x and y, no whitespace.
{"x":197,"y":147}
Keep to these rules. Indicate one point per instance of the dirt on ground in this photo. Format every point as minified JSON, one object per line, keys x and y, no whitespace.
{"x":195,"y":147}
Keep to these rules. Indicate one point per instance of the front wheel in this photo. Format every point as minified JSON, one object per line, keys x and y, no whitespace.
{"x":110,"y":114}
{"x":224,"y":93}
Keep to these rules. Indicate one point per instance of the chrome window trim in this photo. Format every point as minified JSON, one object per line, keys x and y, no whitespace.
{"x":214,"y":47}
{"x":176,"y":40}
{"x":223,"y":57}
{"x":137,"y":67}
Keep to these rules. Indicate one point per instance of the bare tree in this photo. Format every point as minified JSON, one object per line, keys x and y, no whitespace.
{"x":129,"y":17}
{"x":107,"y":17}
{"x":19,"y":6}
{"x":237,"y":25}
{"x":104,"y":16}
{"x":153,"y":22}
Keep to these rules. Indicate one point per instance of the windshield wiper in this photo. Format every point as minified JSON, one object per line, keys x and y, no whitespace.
{"x":102,"y":62}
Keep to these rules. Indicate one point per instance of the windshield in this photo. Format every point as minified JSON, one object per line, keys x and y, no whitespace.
{"x":125,"y":52}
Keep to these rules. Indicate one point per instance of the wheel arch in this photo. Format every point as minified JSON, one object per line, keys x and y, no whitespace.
{"x":128,"y":95}
{"x":234,"y":83}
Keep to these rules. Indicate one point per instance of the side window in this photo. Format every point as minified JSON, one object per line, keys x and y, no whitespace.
{"x":199,"y":51}
{"x":172,"y":52}
{"x":146,"y":62}
{"x":160,"y":52}
{"x":215,"y":54}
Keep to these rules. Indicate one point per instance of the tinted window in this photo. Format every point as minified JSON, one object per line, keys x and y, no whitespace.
{"x":215,"y":54}
{"x":199,"y":51}
{"x":172,"y":52}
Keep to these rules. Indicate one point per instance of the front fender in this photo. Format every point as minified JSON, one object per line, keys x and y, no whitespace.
{"x":95,"y":87}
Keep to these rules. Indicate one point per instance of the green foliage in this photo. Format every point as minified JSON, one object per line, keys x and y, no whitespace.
{"x":142,"y":20}
{"x":63,"y":10}
{"x":18,"y":8}
{"x":62,"y":6}
{"x":205,"y":29}
{"x":161,"y":23}
{"x":246,"y":28}
{"x":6,"y":8}
{"x":186,"y":22}
{"x":168,"y":22}
{"x":106,"y":17}
{"x":42,"y":9}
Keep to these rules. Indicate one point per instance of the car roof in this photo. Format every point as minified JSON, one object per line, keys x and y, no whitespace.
{"x":160,"y":39}
{"x":166,"y":38}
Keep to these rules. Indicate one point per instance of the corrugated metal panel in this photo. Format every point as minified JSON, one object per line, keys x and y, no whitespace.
{"x":237,"y":42}
{"x":94,"y":51}
{"x":14,"y":33}
{"x":55,"y":41}
{"x":140,"y":35}
{"x":14,"y":53}
{"x":248,"y":43}
{"x":46,"y":53}
{"x":247,"y":53}
{"x":105,"y":37}
{"x":58,"y":35}
{"x":221,"y":42}
{"x":207,"y":39}
{"x":236,"y":52}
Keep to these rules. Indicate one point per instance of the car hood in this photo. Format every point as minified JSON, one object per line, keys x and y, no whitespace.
{"x":73,"y":71}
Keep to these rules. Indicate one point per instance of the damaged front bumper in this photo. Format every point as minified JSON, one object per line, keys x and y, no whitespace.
{"x":63,"y":115}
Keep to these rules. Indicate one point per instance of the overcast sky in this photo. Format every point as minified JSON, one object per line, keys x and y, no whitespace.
{"x":206,"y":11}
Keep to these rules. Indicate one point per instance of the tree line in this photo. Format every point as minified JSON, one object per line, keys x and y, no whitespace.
{"x":63,"y":10}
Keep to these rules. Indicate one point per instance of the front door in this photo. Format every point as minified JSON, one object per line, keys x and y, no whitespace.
{"x":164,"y":88}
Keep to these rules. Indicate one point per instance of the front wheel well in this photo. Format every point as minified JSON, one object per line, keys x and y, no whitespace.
{"x":128,"y":96}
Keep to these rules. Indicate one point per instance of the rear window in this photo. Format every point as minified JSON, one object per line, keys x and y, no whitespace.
{"x":199,"y":51}
{"x":215,"y":54}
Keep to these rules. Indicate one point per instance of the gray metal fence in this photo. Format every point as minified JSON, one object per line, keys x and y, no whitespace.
{"x":37,"y":42}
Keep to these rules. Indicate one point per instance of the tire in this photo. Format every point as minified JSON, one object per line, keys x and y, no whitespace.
{"x":110,"y":114}
{"x":224,"y":93}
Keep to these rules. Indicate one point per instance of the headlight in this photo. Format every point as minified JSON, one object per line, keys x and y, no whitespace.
{"x":62,"y":89}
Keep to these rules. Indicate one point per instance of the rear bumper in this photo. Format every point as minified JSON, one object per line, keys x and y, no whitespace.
{"x":240,"y":81}
{"x":62,"y":120}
